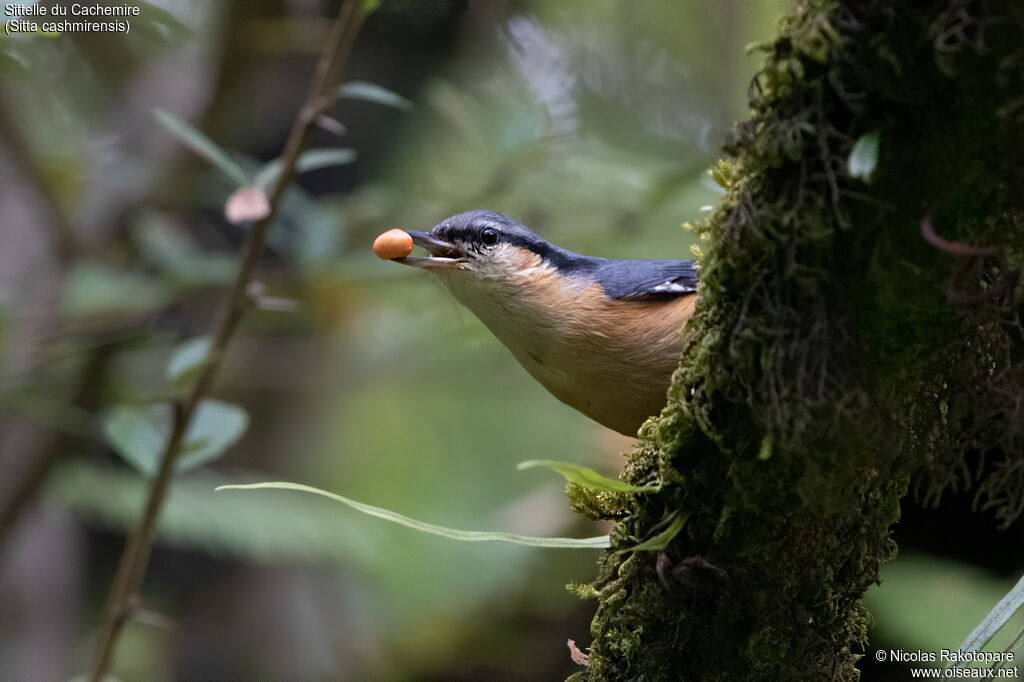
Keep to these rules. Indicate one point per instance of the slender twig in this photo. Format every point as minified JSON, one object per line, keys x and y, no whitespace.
{"x":954,"y":248}
{"x":1006,"y":282}
{"x":124,"y":594}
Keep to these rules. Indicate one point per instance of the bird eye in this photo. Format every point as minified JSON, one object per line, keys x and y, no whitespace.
{"x":489,"y":236}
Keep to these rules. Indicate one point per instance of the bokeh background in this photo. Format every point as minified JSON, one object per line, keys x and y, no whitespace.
{"x":592,"y":121}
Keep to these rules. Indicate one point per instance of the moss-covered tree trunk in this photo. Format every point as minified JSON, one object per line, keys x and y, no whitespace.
{"x":852,"y":336}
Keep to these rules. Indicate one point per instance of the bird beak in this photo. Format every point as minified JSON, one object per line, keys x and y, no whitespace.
{"x":442,"y":254}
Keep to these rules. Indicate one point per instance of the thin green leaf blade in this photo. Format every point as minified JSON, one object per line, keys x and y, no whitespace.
{"x":864,"y":156}
{"x":661,"y":540}
{"x":996,"y":619}
{"x":584,"y":477}
{"x":187,"y":359}
{"x":371,"y":92}
{"x":601,"y":542}
{"x":202,"y":145}
{"x":313,"y":159}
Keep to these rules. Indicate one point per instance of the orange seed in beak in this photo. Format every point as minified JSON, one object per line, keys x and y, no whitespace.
{"x":393,"y":244}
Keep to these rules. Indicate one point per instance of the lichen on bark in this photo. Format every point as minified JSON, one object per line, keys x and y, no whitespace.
{"x":851,"y":338}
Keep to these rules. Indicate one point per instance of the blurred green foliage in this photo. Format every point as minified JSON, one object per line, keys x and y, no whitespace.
{"x":932,"y":604}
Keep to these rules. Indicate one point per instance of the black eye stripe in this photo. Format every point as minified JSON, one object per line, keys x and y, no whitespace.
{"x":486,"y":235}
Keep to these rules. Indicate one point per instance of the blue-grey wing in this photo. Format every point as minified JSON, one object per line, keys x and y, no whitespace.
{"x":640,"y":279}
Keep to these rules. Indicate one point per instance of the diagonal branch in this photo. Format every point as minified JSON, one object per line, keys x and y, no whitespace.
{"x":131,"y":570}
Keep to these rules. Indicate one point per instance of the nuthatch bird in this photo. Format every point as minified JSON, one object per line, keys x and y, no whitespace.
{"x":603,"y":336}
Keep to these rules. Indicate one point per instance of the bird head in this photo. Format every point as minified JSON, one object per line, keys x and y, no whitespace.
{"x":480,"y":242}
{"x":481,"y":256}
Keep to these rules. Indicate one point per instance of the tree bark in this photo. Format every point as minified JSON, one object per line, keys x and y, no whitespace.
{"x":853,"y":336}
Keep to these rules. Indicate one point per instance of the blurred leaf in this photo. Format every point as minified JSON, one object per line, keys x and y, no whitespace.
{"x":12,"y":60}
{"x":246,"y":204}
{"x":139,"y":433}
{"x":661,"y":540}
{"x":215,"y":427}
{"x":864,"y":156}
{"x":194,"y":517}
{"x":95,"y":289}
{"x":187,"y":359}
{"x":203,"y":146}
{"x":313,"y":159}
{"x":422,"y":526}
{"x":331,"y":125}
{"x":996,"y":619}
{"x":162,"y":240}
{"x":166,"y":245}
{"x":584,"y":477}
{"x":372,"y":92}
{"x":370,"y":6}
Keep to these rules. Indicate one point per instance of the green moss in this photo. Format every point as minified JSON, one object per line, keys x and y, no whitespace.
{"x":835,"y":354}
